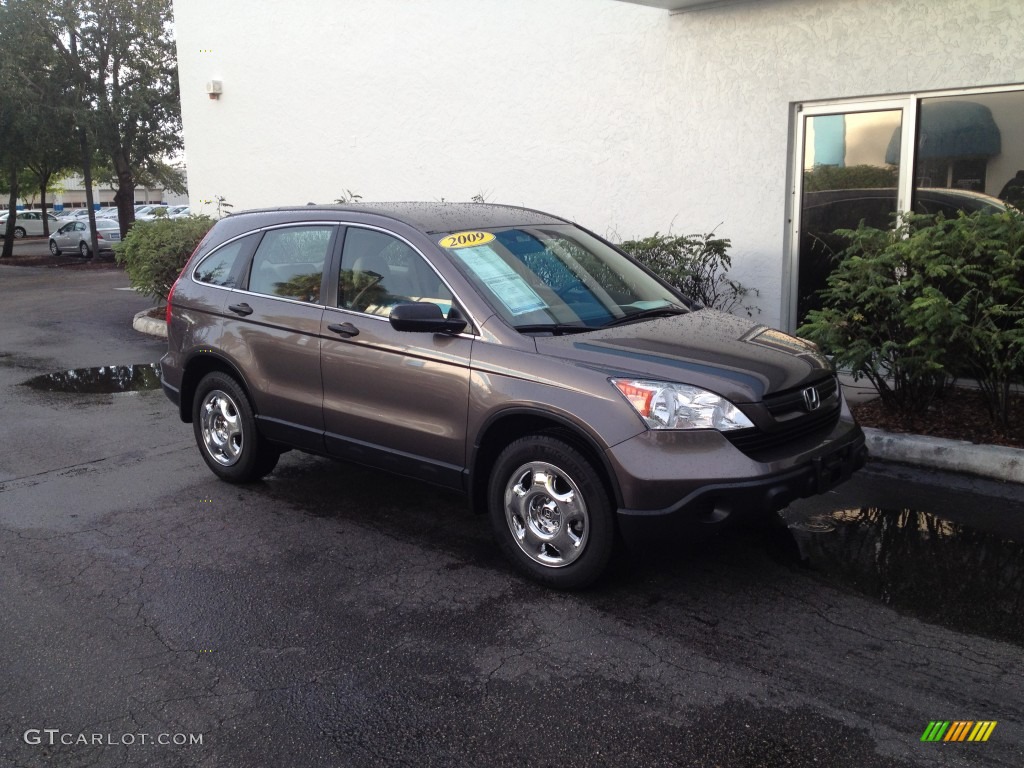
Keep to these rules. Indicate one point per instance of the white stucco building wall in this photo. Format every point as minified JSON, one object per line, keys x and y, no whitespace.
{"x":626,"y":118}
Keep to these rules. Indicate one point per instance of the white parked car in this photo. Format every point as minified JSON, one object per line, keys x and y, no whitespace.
{"x":30,"y":223}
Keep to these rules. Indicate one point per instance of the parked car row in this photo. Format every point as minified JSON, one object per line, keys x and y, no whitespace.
{"x":142,"y":212}
{"x":150,"y":212}
{"x":30,"y":223}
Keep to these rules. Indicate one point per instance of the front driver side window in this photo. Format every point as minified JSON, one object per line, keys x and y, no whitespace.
{"x":379,"y":271}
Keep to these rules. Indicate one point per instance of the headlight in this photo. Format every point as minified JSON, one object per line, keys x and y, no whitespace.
{"x":663,"y":405}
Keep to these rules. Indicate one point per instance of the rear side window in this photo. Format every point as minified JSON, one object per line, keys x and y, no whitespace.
{"x":290,"y":262}
{"x":225,"y":266}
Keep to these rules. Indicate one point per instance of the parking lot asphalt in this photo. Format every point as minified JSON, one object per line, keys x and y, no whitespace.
{"x":31,"y":246}
{"x":334,"y":616}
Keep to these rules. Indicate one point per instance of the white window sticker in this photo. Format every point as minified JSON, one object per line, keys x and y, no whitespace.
{"x":503,"y":281}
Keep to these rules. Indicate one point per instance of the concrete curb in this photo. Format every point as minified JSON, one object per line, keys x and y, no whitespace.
{"x":994,"y":461}
{"x":150,"y":325}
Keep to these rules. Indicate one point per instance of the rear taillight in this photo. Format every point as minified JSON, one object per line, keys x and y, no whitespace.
{"x":170,"y":295}
{"x":99,"y":235}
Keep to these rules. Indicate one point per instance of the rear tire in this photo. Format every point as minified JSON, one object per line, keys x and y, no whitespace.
{"x":19,"y":233}
{"x":551,"y":514}
{"x":83,"y":250}
{"x":226,"y":433}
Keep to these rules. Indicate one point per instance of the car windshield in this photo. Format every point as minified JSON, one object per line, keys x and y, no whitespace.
{"x":557,"y":278}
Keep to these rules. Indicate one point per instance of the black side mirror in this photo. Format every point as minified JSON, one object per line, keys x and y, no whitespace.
{"x":425,"y":317}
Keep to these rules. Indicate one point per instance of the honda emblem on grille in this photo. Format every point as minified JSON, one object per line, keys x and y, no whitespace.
{"x":811,"y":399}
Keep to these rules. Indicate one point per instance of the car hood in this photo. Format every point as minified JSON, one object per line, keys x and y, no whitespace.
{"x":733,"y":357}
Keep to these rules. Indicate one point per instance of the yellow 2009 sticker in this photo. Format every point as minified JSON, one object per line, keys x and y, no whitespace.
{"x":465,"y":239}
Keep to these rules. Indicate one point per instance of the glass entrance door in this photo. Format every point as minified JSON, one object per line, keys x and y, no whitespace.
{"x":850,"y":173}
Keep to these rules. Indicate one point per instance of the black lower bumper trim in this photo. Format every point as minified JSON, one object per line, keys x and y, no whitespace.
{"x":173,"y":394}
{"x":716,"y":503}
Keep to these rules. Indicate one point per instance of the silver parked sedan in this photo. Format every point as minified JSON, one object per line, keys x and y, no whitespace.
{"x":74,"y":236}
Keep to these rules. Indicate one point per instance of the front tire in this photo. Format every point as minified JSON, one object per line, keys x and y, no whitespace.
{"x":54,"y":249}
{"x":225,"y":431}
{"x":19,"y":233}
{"x":551,"y":514}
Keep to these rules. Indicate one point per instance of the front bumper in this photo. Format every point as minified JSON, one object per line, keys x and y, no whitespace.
{"x":674,"y":484}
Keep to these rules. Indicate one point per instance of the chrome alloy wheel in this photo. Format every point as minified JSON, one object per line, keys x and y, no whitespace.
{"x":221,"y":427}
{"x":547,"y":514}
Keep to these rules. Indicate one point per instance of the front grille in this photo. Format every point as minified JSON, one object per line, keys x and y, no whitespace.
{"x":790,"y":419}
{"x":788,"y":402}
{"x":754,"y":440}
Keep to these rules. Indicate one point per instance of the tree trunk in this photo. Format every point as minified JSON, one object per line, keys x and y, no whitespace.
{"x":124,"y":197}
{"x":8,"y":249}
{"x":42,"y":203}
{"x":83,"y":141}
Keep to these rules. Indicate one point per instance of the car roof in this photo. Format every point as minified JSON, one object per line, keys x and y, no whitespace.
{"x":434,"y":217}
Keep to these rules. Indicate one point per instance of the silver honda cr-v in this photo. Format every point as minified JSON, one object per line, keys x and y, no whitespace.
{"x":503,"y":352}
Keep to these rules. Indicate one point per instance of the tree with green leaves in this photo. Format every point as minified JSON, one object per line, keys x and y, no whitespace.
{"x":43,"y":102}
{"x":54,"y":150}
{"x":121,"y":56}
{"x":13,"y":128}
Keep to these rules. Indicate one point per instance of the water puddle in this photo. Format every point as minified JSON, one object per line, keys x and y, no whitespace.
{"x":939,"y":571}
{"x":106,"y":379}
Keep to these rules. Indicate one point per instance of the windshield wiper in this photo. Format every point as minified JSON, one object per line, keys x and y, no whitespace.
{"x":557,"y":329}
{"x":646,"y":314}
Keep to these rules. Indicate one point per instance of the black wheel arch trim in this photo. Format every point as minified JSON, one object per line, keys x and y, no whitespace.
{"x":577,"y":428}
{"x":185,"y":404}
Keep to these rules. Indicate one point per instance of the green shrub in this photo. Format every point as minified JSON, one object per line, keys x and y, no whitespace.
{"x":850,"y":177}
{"x":154,"y":252}
{"x":912,"y":308}
{"x":976,"y":279}
{"x":696,"y":265}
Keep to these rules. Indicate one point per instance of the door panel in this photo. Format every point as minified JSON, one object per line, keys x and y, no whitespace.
{"x":277,"y":332}
{"x":278,"y":348}
{"x":393,"y":399}
{"x":396,"y":400}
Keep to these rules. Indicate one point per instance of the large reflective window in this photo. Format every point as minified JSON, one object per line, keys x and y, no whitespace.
{"x":967,"y":156}
{"x":969,"y":153}
{"x":849,"y":176}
